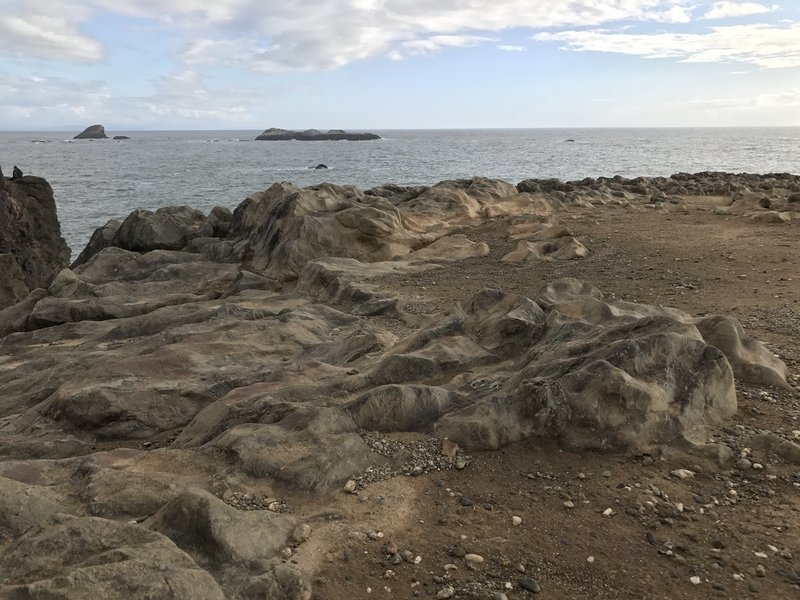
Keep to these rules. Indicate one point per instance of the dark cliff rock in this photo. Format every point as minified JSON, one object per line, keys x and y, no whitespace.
{"x":32,"y":250}
{"x":313,"y":135}
{"x":121,"y":137}
{"x":93,"y":132}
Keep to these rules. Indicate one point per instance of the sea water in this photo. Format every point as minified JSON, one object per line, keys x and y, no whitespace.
{"x":98,"y":180}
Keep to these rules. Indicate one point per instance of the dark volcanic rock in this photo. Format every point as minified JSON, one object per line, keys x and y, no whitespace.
{"x":93,"y":132}
{"x":32,"y":250}
{"x":121,"y":137}
{"x":313,"y":135}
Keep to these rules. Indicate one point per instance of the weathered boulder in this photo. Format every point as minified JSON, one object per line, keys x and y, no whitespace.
{"x":303,"y":460}
{"x":623,"y":386}
{"x":288,"y":226}
{"x":23,"y":507}
{"x":102,"y":237}
{"x":203,"y":525}
{"x":750,"y":359}
{"x":450,"y":248}
{"x":32,"y":250}
{"x":88,"y":557}
{"x":93,"y":132}
{"x":168,"y":228}
{"x":538,"y":232}
{"x":560,"y":248}
{"x":402,"y":407}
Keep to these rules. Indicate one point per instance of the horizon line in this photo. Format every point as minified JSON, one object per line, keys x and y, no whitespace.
{"x":362,"y":129}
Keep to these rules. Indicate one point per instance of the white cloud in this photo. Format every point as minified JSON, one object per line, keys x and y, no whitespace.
{"x":676,"y":14}
{"x":181,"y":97}
{"x":507,"y":48}
{"x":748,"y":104}
{"x":39,"y":28}
{"x":318,"y":34}
{"x":762,"y":45}
{"x":435,"y":43}
{"x":727,"y":10}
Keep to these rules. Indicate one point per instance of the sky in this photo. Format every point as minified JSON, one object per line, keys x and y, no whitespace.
{"x":397,"y":64}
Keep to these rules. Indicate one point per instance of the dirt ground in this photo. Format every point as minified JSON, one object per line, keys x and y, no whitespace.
{"x":736,"y":531}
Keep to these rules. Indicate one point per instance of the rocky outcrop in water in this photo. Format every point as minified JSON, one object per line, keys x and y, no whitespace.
{"x":93,"y":132}
{"x":253,"y":350}
{"x":32,"y":250}
{"x":314,"y":135}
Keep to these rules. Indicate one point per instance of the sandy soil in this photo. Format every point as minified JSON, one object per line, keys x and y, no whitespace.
{"x":736,"y":530}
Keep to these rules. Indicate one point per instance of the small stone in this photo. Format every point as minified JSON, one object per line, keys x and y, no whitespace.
{"x":743,"y":464}
{"x":464,"y":501}
{"x":590,"y":559}
{"x":474,"y":558}
{"x":695,"y":580}
{"x":682,"y":473}
{"x":606,"y":474}
{"x":738,"y":577}
{"x":569,"y":504}
{"x":516,"y":521}
{"x":529,"y":584}
{"x":446,"y":592}
{"x":350,"y":486}
{"x":449,"y":449}
{"x":416,"y":471}
{"x":461,"y":464}
{"x":301,"y":533}
{"x":761,"y":570}
{"x":757,"y":466}
{"x":407,"y":556}
{"x":499,"y":596}
{"x":608,"y":512}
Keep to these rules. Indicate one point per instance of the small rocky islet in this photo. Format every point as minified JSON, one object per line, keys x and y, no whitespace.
{"x":243,"y":401}
{"x":314,"y":135}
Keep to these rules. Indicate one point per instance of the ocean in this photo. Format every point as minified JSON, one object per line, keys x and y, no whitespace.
{"x":98,"y":180}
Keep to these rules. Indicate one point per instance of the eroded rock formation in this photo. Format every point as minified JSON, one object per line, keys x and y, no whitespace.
{"x":261,"y":344}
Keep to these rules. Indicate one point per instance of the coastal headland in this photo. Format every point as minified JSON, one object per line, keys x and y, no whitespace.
{"x":475,"y":389}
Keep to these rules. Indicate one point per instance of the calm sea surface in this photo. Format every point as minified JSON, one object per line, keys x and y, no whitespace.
{"x":95,"y":181}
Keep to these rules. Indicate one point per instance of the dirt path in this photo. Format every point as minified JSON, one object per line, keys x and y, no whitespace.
{"x":736,"y":530}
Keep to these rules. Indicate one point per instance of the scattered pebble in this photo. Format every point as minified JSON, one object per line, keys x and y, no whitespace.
{"x":530,"y":585}
{"x":682,"y":473}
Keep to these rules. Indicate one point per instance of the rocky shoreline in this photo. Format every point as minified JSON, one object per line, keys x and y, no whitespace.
{"x":195,"y":392}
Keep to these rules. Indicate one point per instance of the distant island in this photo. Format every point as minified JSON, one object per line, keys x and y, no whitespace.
{"x":93,"y":132}
{"x":314,"y":135}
